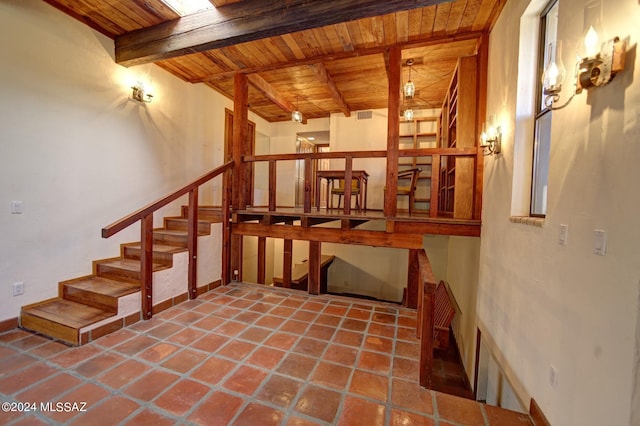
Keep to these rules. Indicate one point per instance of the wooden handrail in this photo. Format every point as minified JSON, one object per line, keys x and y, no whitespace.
{"x":414,"y":152}
{"x":129,"y":220}
{"x":425,"y":328}
{"x":145,"y":216}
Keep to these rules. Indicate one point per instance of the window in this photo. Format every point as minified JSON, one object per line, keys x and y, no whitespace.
{"x":542,"y":133}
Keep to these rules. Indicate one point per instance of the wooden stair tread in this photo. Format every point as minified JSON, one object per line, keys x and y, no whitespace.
{"x":128,"y":264}
{"x":105,"y":286}
{"x":176,"y":232}
{"x":68,"y":313}
{"x":162,"y":248}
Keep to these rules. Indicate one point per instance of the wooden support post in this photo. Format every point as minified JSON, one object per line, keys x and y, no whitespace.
{"x":262,"y":252}
{"x":226,"y":228}
{"x":236,"y":257}
{"x":287,"y":263}
{"x":426,"y":334}
{"x":413,"y":280}
{"x":482,"y":72}
{"x":315,"y":254}
{"x":348,"y":177}
{"x":192,"y":226}
{"x":272,"y":185}
{"x":393,"y":131}
{"x":146,"y":266}
{"x":240,"y":140}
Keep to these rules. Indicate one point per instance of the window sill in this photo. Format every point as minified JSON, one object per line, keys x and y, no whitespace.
{"x":528,"y":220}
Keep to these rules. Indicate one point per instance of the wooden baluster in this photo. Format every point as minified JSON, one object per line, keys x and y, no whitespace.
{"x":348,"y":176}
{"x":308,"y":173}
{"x":226,"y":228}
{"x":393,"y":131}
{"x":272,"y":185}
{"x":262,"y":251}
{"x":192,"y":228}
{"x":146,"y":266}
{"x":435,"y":186}
{"x":413,"y":280}
{"x":313,"y":278}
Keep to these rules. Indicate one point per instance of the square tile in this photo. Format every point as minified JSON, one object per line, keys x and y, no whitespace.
{"x":258,"y":414}
{"x":279,"y":390}
{"x":357,"y":411}
{"x":298,"y":366}
{"x":319,"y":403}
{"x":217,"y":409}
{"x":331,"y":375}
{"x":182,"y":396}
{"x":369,"y":385}
{"x":245,"y":380}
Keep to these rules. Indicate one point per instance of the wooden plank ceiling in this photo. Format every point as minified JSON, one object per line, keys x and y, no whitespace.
{"x":321,"y":68}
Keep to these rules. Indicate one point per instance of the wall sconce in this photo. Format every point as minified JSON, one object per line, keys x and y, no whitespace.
{"x":491,"y":139}
{"x":595,"y":68}
{"x":139,"y":94}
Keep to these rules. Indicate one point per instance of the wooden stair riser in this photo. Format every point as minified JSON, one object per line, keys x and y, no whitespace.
{"x":209,"y":214}
{"x":180,"y":224}
{"x":49,"y":328}
{"x":114,"y":273}
{"x":163,"y":258}
{"x":177,"y":240}
{"x":90,"y":298}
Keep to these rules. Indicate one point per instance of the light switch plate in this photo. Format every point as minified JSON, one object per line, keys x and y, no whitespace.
{"x":564,"y":233}
{"x":600,"y":242}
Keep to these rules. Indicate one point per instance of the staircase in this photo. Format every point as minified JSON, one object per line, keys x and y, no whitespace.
{"x":89,"y":307}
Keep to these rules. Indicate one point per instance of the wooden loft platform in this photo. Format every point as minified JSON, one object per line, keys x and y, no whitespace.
{"x":369,"y":227}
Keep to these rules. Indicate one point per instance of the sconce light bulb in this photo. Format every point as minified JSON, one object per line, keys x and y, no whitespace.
{"x":296,"y":116}
{"x":591,"y":42}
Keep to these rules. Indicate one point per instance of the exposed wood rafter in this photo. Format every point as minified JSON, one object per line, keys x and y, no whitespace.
{"x":326,"y":80}
{"x":245,"y":21}
{"x":270,"y":92}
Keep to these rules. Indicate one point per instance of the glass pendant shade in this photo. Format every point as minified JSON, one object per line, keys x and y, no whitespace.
{"x":408,"y":114}
{"x":296,"y":116}
{"x":409,"y":89}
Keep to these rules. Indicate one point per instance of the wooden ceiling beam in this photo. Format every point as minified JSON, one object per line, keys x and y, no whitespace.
{"x":248,"y":20}
{"x":272,"y":94}
{"x":324,"y":77}
{"x":381,"y":49}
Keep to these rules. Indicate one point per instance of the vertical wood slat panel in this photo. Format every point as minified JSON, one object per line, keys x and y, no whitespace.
{"x":192,"y":226}
{"x":146,"y":266}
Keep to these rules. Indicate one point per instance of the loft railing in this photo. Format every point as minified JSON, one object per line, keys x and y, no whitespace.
{"x":145,"y":217}
{"x":436,"y":154}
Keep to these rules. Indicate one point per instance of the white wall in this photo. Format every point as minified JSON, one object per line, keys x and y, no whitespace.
{"x":544,"y":304}
{"x":79,"y":153}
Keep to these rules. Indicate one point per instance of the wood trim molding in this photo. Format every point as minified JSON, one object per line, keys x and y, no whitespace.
{"x":9,"y":324}
{"x":538,"y":417}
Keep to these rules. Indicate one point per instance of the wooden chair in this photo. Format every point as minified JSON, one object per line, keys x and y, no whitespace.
{"x":410,"y":190}
{"x":339,"y":191}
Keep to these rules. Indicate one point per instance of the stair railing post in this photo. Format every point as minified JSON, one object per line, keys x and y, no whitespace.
{"x":226,"y":227}
{"x":192,"y":217}
{"x":146,"y":266}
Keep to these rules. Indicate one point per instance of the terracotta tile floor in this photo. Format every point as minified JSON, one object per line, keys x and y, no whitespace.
{"x":241,"y":355}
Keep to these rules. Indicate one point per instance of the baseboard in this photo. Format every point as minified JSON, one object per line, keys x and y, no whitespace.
{"x":8,"y":324}
{"x":538,"y":417}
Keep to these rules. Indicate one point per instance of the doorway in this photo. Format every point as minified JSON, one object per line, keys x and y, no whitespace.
{"x":308,"y":142}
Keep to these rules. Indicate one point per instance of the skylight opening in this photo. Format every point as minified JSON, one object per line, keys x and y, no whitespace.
{"x":187,"y":7}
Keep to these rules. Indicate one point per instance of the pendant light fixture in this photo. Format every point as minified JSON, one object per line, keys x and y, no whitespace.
{"x":409,"y":88}
{"x":296,"y":115}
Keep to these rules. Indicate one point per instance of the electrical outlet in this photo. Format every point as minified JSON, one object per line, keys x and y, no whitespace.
{"x":18,"y":289}
{"x":16,"y":207}
{"x":600,"y":242}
